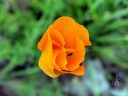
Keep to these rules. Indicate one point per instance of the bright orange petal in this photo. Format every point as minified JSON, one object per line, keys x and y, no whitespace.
{"x":56,"y":52}
{"x":61,"y":60}
{"x":46,"y":59}
{"x":57,"y":38}
{"x":84,"y":35}
{"x":79,"y":71}
{"x":77,"y":57}
{"x":66,"y":26}
{"x":42,"y":42}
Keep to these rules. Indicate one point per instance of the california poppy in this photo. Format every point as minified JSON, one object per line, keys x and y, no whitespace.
{"x":63,"y":48}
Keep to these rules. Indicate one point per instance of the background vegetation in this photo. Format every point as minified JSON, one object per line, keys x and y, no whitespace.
{"x":23,"y":22}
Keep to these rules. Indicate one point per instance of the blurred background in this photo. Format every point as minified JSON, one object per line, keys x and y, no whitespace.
{"x":22,"y":24}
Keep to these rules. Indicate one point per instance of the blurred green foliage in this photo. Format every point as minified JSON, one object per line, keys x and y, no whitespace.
{"x":23,"y":22}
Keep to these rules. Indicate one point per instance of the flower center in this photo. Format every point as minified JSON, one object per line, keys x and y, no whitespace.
{"x":81,"y":64}
{"x":69,"y":54}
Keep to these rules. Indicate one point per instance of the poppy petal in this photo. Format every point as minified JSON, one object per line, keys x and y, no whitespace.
{"x":66,"y":26}
{"x":46,"y":59}
{"x":57,"y":38}
{"x":79,"y":71}
{"x":84,"y":35}
{"x":61,"y":60}
{"x":42,"y":42}
{"x":56,"y":52}
{"x":77,"y":57}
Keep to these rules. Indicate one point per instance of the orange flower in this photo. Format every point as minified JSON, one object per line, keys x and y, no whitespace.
{"x":62,"y":48}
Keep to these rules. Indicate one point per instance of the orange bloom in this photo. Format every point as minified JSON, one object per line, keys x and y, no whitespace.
{"x":63,"y":48}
